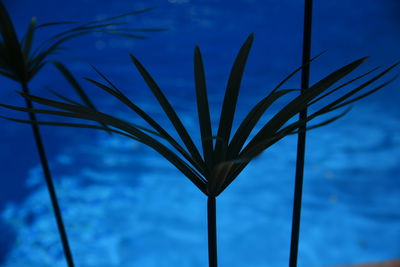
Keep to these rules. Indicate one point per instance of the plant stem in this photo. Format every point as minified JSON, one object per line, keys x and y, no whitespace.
{"x":301,"y":141}
{"x":212,"y":231}
{"x":49,"y":181}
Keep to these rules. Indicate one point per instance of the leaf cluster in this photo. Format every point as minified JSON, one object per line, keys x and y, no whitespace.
{"x":225,"y":154}
{"x":20,"y":62}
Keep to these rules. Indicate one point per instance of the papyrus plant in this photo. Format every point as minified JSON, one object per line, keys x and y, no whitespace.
{"x":224,"y":154}
{"x":21,"y":60}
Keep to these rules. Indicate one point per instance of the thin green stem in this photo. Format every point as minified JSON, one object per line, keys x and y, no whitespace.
{"x":212,"y":231}
{"x":301,"y":141}
{"x":49,"y":181}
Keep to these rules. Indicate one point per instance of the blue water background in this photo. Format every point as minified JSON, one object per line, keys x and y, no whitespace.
{"x":352,"y":181}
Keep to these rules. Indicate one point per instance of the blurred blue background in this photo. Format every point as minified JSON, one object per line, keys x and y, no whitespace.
{"x":125,"y":206}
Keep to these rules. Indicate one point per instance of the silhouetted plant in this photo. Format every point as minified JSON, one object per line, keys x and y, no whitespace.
{"x":19,"y":62}
{"x":223,"y":157}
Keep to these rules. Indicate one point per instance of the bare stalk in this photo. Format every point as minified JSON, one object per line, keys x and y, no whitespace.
{"x":212,"y":231}
{"x":49,"y":181}
{"x":301,"y":141}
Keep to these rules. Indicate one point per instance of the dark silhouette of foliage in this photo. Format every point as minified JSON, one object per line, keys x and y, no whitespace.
{"x":213,"y":170}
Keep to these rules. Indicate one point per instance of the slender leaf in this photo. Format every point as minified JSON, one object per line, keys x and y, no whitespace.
{"x":300,"y":102}
{"x":230,"y":99}
{"x":164,"y":151}
{"x":169,"y":111}
{"x":203,"y":110}
{"x":74,"y":83}
{"x":323,"y":123}
{"x":76,"y":125}
{"x":125,"y":34}
{"x":114,"y":88}
{"x":294,"y":72}
{"x":250,"y":121}
{"x":28,"y":39}
{"x":119,"y":16}
{"x":66,"y":99}
{"x":341,"y":86}
{"x":125,"y":100}
{"x":145,"y":30}
{"x":9,"y":75}
{"x":40,"y":54}
{"x":290,"y":129}
{"x":79,"y":29}
{"x":86,"y":113}
{"x":362,"y":86}
{"x":363,"y":95}
{"x":14,"y":54}
{"x":32,"y":72}
{"x":57,"y":23}
{"x":258,"y":148}
{"x":97,"y":24}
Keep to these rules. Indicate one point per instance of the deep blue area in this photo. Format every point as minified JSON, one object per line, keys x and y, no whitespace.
{"x":7,"y":237}
{"x":347,"y":29}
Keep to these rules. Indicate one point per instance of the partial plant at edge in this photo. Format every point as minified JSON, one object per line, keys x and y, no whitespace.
{"x":21,"y":63}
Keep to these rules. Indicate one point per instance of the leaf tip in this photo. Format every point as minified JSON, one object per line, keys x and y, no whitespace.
{"x":197,"y":50}
{"x":364,"y":59}
{"x":95,"y":69}
{"x":87,"y":79}
{"x":250,"y":39}
{"x":133,"y":58}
